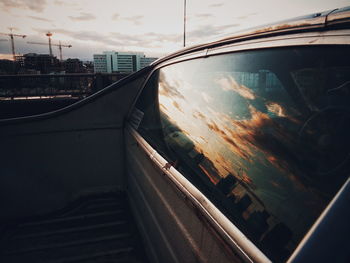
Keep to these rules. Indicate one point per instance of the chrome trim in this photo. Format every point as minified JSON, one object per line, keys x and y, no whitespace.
{"x":334,"y":37}
{"x":224,"y":227}
{"x":197,"y":54}
{"x":339,"y":16}
{"x":339,"y":37}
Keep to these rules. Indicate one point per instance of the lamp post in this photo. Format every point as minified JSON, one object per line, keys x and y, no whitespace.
{"x":184,"y":23}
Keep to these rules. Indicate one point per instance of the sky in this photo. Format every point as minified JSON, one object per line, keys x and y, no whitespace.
{"x":154,"y":27}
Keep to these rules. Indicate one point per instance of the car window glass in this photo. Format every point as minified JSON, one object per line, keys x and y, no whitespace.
{"x":263,"y":134}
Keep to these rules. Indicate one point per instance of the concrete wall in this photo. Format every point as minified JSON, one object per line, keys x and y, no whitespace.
{"x":48,"y":160}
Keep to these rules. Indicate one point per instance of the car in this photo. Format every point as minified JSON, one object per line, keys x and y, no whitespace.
{"x":230,"y":151}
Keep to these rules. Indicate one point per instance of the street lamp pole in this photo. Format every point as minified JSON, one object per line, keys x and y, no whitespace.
{"x":184,"y":23}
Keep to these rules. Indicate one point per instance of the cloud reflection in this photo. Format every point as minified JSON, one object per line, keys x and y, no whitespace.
{"x":169,"y":90}
{"x":244,"y":138}
{"x":228,"y":83}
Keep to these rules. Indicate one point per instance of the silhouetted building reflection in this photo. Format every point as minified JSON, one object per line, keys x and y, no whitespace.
{"x":227,"y":183}
{"x":276,"y":240}
{"x":257,"y":222}
{"x":244,"y":203}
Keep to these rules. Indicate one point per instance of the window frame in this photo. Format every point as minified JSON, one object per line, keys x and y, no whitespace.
{"x":226,"y":229}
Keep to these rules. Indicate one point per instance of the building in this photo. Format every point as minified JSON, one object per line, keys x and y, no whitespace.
{"x":42,"y":63}
{"x":226,"y":184}
{"x":73,"y":65}
{"x":7,"y":67}
{"x":145,"y":61}
{"x":100,"y":63}
{"x":89,"y":66}
{"x":112,"y":61}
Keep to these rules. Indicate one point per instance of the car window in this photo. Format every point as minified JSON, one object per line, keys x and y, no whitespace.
{"x":263,"y":134}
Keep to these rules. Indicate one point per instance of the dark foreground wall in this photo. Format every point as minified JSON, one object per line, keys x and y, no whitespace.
{"x":48,"y":160}
{"x":21,"y":108}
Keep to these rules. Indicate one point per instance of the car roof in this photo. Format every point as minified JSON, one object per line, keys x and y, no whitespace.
{"x":335,"y":18}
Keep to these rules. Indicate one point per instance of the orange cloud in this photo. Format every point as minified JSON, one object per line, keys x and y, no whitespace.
{"x":228,"y":83}
{"x":198,"y":115}
{"x":177,"y":106}
{"x":276,"y":109}
{"x":212,"y":178}
{"x":163,"y":107}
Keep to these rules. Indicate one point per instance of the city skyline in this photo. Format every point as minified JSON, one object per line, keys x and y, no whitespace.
{"x":155,"y":28}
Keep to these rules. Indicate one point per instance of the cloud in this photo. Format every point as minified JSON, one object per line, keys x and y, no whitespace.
{"x":115,"y":16}
{"x":134,"y":19}
{"x":167,"y":89}
{"x":275,"y":108}
{"x":246,"y":16}
{"x":206,"y":97}
{"x":228,"y":83}
{"x":34,"y":5}
{"x":40,"y":18}
{"x":70,"y":4}
{"x":80,"y":35}
{"x":204,"y":32}
{"x":198,"y":115}
{"x":164,"y":37}
{"x":119,"y":40}
{"x":247,"y":137}
{"x":59,"y":3}
{"x":125,"y":37}
{"x":14,"y":28}
{"x":216,"y":5}
{"x":210,"y":170}
{"x":204,"y":15}
{"x":83,"y":17}
{"x":176,"y":105}
{"x":6,"y":56}
{"x":236,"y":145}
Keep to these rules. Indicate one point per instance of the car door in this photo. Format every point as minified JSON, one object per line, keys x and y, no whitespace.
{"x":254,"y":139}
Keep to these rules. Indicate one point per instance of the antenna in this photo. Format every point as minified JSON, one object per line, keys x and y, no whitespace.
{"x":184,"y":23}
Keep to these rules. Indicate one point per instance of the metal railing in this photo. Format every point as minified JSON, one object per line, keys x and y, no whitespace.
{"x":74,"y":85}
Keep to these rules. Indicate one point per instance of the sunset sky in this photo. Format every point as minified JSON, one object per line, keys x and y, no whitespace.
{"x":154,"y":26}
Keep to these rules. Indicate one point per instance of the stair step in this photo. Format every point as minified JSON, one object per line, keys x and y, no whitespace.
{"x":89,"y":231}
{"x":71,"y":218}
{"x":69,"y":230}
{"x":68,"y":244}
{"x":94,"y":256}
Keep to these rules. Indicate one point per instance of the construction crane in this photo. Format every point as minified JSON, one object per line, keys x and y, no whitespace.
{"x":49,"y":34}
{"x":11,"y":35}
{"x":50,"y":44}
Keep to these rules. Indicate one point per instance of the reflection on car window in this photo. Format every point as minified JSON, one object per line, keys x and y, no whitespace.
{"x":263,"y":134}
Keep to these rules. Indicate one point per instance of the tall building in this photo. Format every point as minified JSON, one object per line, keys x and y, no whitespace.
{"x":100,"y":63}
{"x":112,"y":61}
{"x":145,"y":61}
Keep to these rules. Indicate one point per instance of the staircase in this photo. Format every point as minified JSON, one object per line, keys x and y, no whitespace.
{"x":95,"y":229}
